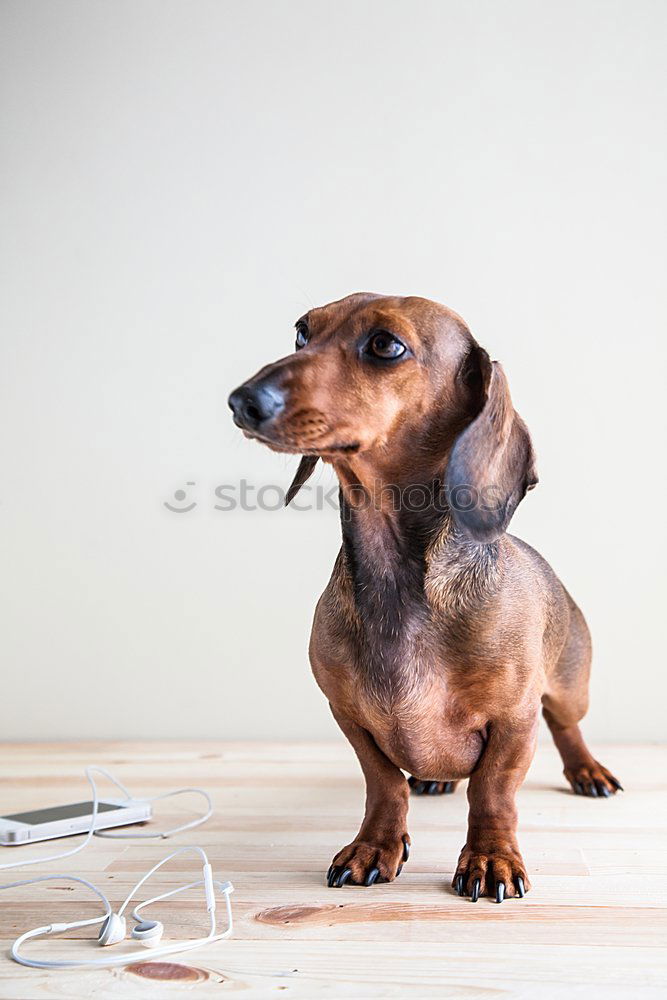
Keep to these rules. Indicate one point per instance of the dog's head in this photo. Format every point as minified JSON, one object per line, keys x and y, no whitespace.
{"x":399,"y":383}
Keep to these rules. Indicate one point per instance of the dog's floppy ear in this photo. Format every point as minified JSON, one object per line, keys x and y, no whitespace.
{"x":305,"y":470}
{"x":492,"y":463}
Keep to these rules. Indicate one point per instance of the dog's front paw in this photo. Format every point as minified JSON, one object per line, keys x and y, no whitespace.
{"x":363,"y":862}
{"x":491,"y":870}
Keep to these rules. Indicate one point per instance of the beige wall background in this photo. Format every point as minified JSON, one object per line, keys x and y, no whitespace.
{"x":179,"y":182}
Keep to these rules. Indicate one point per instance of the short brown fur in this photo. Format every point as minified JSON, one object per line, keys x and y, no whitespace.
{"x":439,"y":635}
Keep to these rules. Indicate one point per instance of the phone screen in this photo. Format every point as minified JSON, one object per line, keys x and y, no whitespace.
{"x":36,"y":816}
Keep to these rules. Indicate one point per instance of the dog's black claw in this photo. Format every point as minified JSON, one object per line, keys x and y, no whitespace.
{"x":399,"y":870}
{"x":459,"y":884}
{"x":328,"y":874}
{"x":602,"y":789}
{"x":521,"y":889}
{"x":412,"y":781}
{"x":333,"y":875}
{"x":418,"y":788}
{"x":406,"y":849}
{"x":500,"y":892}
{"x":432,"y":788}
{"x":592,"y":790}
{"x":616,"y":783}
{"x":343,"y":877}
{"x":449,"y":788}
{"x":371,"y":877}
{"x":474,"y":895}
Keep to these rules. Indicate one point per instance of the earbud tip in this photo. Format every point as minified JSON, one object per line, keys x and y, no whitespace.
{"x":146,"y":925}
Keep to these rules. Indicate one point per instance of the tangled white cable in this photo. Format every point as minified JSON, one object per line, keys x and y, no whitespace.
{"x":113,"y":925}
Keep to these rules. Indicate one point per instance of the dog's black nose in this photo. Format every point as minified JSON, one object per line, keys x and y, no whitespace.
{"x":256,"y":405}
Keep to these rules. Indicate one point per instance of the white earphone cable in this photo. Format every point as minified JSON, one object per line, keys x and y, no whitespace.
{"x":225,"y":888}
{"x":190,"y":825}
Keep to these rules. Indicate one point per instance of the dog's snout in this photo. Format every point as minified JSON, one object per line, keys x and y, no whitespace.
{"x":254,"y":405}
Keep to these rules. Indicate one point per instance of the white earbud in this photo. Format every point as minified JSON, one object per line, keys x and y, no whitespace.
{"x":148,"y":933}
{"x":112,"y":930}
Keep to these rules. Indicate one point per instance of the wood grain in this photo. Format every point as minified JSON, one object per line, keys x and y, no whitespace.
{"x":595,"y":923}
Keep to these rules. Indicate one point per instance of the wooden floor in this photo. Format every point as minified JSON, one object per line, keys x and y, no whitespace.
{"x":594,"y":924}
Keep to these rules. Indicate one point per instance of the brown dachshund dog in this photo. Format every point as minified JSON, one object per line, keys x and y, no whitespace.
{"x":439,"y":635}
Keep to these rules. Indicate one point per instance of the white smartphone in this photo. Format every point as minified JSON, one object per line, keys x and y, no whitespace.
{"x":65,"y":821}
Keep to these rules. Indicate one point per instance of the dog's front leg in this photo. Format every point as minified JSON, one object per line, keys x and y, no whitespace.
{"x":382,"y":845}
{"x":490,"y":862}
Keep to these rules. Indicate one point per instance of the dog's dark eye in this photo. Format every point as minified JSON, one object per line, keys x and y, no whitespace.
{"x":302,"y":335}
{"x":385,"y":345}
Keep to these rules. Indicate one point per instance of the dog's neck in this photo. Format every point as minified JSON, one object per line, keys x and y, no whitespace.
{"x":385,"y":554}
{"x":403,"y":554}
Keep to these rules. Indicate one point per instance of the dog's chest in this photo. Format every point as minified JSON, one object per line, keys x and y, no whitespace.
{"x":426,"y":728}
{"x":405,"y":691}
